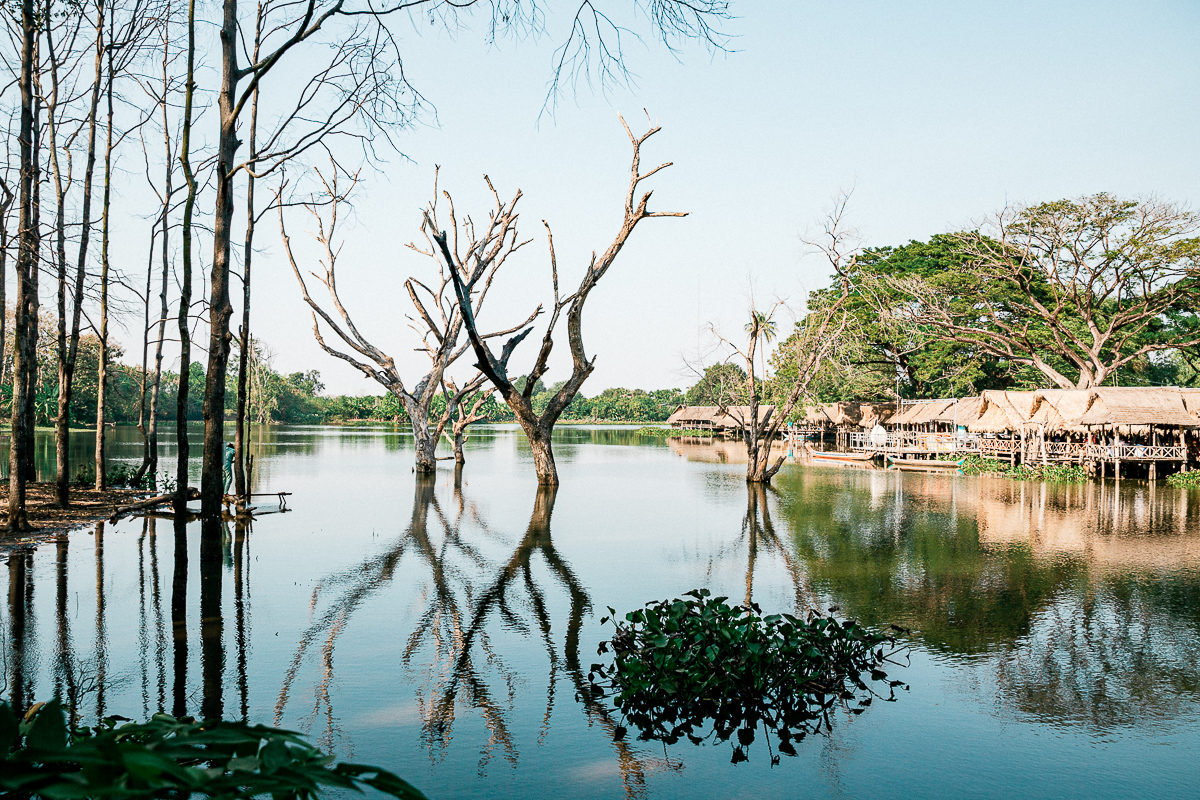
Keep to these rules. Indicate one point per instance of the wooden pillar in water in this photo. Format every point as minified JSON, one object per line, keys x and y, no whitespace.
{"x":1153,"y":462}
{"x":1117,"y":456}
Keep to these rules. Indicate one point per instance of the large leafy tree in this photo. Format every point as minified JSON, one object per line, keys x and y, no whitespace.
{"x":885,"y":353}
{"x":1075,"y":289}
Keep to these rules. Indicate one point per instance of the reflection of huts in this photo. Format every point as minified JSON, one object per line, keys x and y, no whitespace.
{"x":727,"y":419}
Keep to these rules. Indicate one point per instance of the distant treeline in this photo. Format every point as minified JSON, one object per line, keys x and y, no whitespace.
{"x":293,"y":398}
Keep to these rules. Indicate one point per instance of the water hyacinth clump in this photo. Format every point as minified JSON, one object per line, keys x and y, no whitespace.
{"x":700,"y":668}
{"x":1184,"y":479}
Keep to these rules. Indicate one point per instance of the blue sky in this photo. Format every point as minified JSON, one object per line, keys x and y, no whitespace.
{"x":937,"y":113}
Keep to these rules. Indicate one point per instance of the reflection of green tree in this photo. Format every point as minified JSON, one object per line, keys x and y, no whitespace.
{"x":1104,"y":656}
{"x":922,"y":568}
{"x":1101,"y":650}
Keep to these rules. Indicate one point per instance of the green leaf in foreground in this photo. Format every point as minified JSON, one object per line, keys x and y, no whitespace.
{"x":170,"y":757}
{"x":700,"y":668}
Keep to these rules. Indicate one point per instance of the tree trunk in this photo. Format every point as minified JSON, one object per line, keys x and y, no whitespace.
{"x":102,"y":366}
{"x":211,"y":478}
{"x":26,"y":263}
{"x":424,"y":440}
{"x":543,"y":455}
{"x":239,"y":430}
{"x":62,"y":425}
{"x":459,"y":436}
{"x":185,"y":281}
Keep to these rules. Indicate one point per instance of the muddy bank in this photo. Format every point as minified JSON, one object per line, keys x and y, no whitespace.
{"x":88,"y":506}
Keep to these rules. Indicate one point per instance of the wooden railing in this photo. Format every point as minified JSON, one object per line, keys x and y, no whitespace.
{"x":912,"y":441}
{"x":1136,"y":452}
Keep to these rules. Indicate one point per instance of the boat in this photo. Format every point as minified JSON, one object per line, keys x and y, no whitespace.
{"x":837,"y":457}
{"x":923,"y":465}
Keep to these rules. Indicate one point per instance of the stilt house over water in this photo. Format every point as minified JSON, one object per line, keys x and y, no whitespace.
{"x":1154,"y":428}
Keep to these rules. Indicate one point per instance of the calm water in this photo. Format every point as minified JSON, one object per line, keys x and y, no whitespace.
{"x":442,"y":628}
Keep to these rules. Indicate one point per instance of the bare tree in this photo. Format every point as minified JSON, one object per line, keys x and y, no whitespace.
{"x":471,"y":265}
{"x":436,"y":318}
{"x":160,"y":95}
{"x":1075,"y":288}
{"x":805,"y":351}
{"x":26,"y":312}
{"x":360,"y":88}
{"x":464,"y":407}
{"x":183,"y":448}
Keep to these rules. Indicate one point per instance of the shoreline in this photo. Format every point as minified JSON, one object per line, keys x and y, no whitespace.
{"x":50,"y":522}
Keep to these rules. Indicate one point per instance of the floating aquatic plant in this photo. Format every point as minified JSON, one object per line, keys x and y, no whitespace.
{"x":699,"y":668}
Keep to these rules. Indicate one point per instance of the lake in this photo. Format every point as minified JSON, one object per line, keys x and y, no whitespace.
{"x":442,"y":628}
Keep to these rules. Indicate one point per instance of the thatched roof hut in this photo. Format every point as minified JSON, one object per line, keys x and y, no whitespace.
{"x":923,"y":412}
{"x":1136,"y":405}
{"x":1002,"y":411}
{"x":729,"y":418}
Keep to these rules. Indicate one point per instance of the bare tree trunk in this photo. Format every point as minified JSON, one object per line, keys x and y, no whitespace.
{"x":150,"y":464}
{"x":219,"y":311}
{"x":185,"y":296}
{"x":424,"y":440}
{"x":23,"y":342}
{"x":69,"y":353}
{"x":102,"y":364}
{"x":239,"y":431}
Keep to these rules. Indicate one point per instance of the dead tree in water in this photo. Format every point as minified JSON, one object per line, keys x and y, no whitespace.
{"x":463,"y":413}
{"x":538,"y":428}
{"x":438,"y":320}
{"x":807,"y":350}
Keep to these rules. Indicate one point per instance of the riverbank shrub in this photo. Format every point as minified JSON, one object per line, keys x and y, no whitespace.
{"x":653,"y":431}
{"x":1051,"y":473}
{"x":683,"y":666}
{"x":43,"y":756}
{"x":1184,"y":479}
{"x":976,"y":465}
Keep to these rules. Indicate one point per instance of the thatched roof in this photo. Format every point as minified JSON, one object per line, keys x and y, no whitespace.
{"x":731,"y":417}
{"x":1137,"y":406}
{"x":693,"y":414}
{"x":968,"y":410}
{"x":872,"y":413}
{"x":1002,"y":411}
{"x":923,"y":412}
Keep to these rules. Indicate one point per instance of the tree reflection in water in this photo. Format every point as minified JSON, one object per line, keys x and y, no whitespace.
{"x":1084,"y":600}
{"x":467,"y":592}
{"x":82,"y":678}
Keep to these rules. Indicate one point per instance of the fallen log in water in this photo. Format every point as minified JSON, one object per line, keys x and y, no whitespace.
{"x":150,"y":502}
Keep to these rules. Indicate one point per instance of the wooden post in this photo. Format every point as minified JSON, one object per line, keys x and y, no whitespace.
{"x":1117,"y":454}
{"x":1153,"y":461}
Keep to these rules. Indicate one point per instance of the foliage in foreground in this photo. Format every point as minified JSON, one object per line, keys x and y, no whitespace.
{"x":169,"y":757}
{"x":1186,"y":479}
{"x":683,"y":665}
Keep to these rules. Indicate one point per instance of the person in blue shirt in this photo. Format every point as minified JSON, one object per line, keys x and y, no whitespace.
{"x":228,"y":466}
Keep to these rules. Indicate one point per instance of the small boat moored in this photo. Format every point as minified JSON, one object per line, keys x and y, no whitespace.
{"x":837,"y":457}
{"x":924,"y":465}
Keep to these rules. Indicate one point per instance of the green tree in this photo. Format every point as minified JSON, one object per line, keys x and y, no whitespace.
{"x":719,"y":384}
{"x":1075,"y":289}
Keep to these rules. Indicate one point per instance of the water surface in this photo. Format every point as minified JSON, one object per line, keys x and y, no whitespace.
{"x":442,"y":628}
